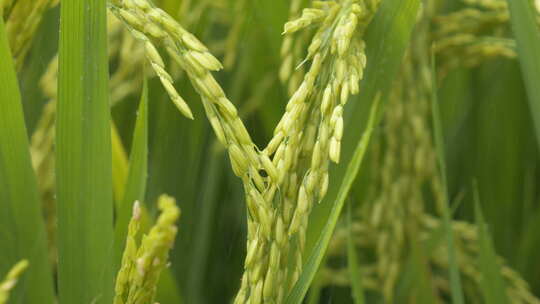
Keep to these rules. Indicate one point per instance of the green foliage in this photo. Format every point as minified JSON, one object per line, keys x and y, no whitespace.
{"x":245,"y":232}
{"x":352,"y":261}
{"x":455,"y":280}
{"x":135,"y":188}
{"x":83,"y":156}
{"x":22,"y":233}
{"x":493,"y":285}
{"x":525,"y":27}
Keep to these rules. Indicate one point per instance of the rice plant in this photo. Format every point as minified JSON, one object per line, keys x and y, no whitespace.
{"x":336,"y":151}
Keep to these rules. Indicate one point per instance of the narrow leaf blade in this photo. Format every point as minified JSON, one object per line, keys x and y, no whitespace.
{"x":492,"y":283}
{"x":22,"y":231}
{"x":352,"y":261}
{"x":84,"y":174}
{"x":135,"y":188}
{"x":455,"y":280}
{"x":130,"y":185}
{"x":523,"y":16}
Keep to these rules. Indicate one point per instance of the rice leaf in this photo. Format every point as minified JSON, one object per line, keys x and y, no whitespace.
{"x":22,"y":231}
{"x":455,"y":280}
{"x":310,"y":269}
{"x":416,"y":283}
{"x":315,"y":291}
{"x":492,"y":283}
{"x":119,"y":165}
{"x":135,"y":188}
{"x":524,"y":25}
{"x":352,"y":260}
{"x":200,"y":250}
{"x":83,"y":153}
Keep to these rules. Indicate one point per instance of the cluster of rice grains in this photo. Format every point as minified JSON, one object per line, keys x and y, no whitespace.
{"x":296,"y":159}
{"x":393,"y":217}
{"x":473,"y":34}
{"x":22,"y":20}
{"x":304,"y":141}
{"x":141,"y":265}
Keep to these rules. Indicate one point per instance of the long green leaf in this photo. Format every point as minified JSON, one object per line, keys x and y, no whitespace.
{"x":202,"y":243}
{"x":352,"y":263}
{"x":492,"y":283}
{"x":455,"y":280}
{"x":22,"y":232}
{"x":120,"y":165}
{"x":135,"y":188}
{"x":315,"y":290}
{"x":84,"y":178}
{"x":524,"y":24}
{"x":301,"y":287}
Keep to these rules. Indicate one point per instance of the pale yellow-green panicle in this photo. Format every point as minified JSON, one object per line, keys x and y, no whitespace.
{"x":10,"y":281}
{"x":22,"y":23}
{"x":142,"y":264}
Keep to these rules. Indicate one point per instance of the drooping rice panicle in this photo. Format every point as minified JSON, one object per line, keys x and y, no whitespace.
{"x":297,"y":140}
{"x":135,"y":15}
{"x":394,"y":214}
{"x":476,"y":33}
{"x":407,"y":163}
{"x":262,"y":274}
{"x":11,"y":279}
{"x":365,"y":237}
{"x":296,"y":159}
{"x":293,"y":48}
{"x":22,"y":23}
{"x":153,"y":26}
